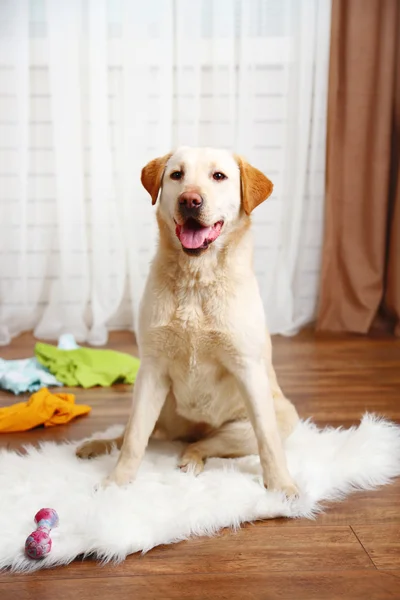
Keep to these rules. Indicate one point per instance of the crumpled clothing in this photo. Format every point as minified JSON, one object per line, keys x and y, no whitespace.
{"x":42,"y":408}
{"x":67,"y":341}
{"x":26,"y":375}
{"x":88,"y":367}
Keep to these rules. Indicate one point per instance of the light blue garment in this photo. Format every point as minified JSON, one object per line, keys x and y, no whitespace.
{"x":66,"y":341}
{"x":28,"y":375}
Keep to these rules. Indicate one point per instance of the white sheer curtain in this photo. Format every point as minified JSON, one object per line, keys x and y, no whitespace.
{"x":90,"y":90}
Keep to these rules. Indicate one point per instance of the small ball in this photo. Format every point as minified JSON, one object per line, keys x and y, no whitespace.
{"x":38,"y":544}
{"x":47,"y":514}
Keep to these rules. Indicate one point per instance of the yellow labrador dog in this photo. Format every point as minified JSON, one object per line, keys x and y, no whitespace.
{"x":206,"y":375}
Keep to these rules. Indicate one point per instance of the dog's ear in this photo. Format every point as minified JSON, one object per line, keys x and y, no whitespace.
{"x":255,"y":186}
{"x":152,"y":175}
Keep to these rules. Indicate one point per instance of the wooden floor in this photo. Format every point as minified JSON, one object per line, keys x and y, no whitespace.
{"x":351,"y":551}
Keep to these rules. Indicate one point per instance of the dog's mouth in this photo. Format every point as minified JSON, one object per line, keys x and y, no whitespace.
{"x":194,"y":236}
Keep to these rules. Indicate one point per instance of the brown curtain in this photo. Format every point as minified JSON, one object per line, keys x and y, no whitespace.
{"x":360,"y":276}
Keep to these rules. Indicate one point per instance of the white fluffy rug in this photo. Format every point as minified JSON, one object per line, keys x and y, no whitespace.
{"x":165,"y":505}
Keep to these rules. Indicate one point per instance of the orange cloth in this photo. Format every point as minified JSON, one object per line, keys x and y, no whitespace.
{"x":42,"y":408}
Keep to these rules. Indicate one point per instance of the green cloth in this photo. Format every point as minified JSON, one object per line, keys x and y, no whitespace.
{"x":87,"y":367}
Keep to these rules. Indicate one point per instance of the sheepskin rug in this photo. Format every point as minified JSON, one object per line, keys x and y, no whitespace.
{"x":165,"y":505}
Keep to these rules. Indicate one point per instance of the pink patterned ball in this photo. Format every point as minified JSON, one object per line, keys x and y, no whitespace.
{"x":48,"y":516}
{"x":38,"y":544}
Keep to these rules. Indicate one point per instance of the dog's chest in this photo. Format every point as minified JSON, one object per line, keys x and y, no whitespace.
{"x":204,"y":390}
{"x":189,"y":334}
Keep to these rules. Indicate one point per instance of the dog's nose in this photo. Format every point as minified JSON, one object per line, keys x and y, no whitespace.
{"x":190,"y":200}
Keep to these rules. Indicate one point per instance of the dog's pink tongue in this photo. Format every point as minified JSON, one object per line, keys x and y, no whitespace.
{"x":193,"y":238}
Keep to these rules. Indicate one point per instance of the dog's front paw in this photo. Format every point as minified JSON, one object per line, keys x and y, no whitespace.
{"x":289,"y":488}
{"x":118,"y":478}
{"x":291,"y":491}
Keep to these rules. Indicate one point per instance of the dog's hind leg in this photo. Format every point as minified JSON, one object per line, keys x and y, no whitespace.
{"x":232,"y":440}
{"x":93,"y":448}
{"x":170,"y":426}
{"x":236,"y":438}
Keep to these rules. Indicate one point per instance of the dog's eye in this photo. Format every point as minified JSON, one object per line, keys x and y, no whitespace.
{"x":176,"y":175}
{"x":219,"y":176}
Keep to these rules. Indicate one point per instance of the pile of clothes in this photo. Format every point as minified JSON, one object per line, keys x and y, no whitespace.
{"x":66,"y":364}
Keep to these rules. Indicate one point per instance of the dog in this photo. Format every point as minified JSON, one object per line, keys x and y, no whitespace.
{"x":206,"y":374}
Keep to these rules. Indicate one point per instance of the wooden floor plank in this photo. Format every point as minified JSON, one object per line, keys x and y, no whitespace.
{"x":382,"y":542}
{"x":350,"y":585}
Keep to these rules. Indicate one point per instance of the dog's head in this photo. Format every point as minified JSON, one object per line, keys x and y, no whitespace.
{"x":204,"y":192}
